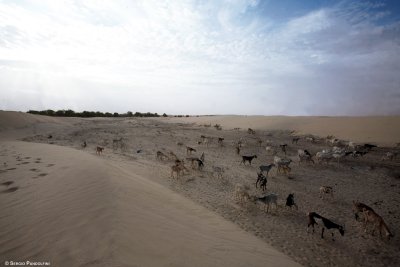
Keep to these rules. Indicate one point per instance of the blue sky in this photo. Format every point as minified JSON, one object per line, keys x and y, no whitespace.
{"x":284,"y":57}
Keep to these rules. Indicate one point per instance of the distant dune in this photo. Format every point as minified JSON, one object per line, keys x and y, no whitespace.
{"x":381,"y":130}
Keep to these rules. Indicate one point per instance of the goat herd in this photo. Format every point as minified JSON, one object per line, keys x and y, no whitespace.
{"x":337,"y":151}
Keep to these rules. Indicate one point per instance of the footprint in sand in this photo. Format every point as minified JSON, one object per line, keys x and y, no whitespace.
{"x":50,"y":165}
{"x":42,"y":174}
{"x":38,"y":161}
{"x":34,"y":170}
{"x":26,"y":162}
{"x":27,"y":157}
{"x":8,"y":183}
{"x":10,"y":190}
{"x":10,"y":169}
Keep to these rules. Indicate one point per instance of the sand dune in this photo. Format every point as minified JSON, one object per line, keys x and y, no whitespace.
{"x":381,"y":130}
{"x":72,"y":208}
{"x":64,"y":204}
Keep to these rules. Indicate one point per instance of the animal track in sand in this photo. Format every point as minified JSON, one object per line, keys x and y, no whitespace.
{"x":10,"y":190}
{"x":26,"y":162}
{"x":42,"y":174}
{"x":8,"y":183}
{"x":10,"y":169}
{"x":50,"y":165}
{"x":34,"y":170}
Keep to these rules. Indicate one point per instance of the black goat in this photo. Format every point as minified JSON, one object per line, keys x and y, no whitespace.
{"x":248,"y":158}
{"x":328,"y":224}
{"x":283,"y":147}
{"x":290,"y":201}
{"x":262,"y":179}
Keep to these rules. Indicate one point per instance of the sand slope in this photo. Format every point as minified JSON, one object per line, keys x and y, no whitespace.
{"x":381,"y":130}
{"x":75,"y":209}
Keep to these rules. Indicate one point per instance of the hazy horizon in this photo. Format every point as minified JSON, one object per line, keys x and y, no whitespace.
{"x":296,"y":58}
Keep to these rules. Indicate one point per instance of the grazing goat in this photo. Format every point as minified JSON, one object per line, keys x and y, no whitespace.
{"x":295,"y":140}
{"x":99,"y":150}
{"x":268,"y":200}
{"x":161,"y":156}
{"x":310,"y":139}
{"x":220,"y":141}
{"x":202,"y":157}
{"x":266,"y":168}
{"x":237,"y":150}
{"x":328,"y":224}
{"x":172,"y":156}
{"x":283,"y":148}
{"x":389,"y":156}
{"x":262,"y":179}
{"x":369,"y":146}
{"x":325,"y":190}
{"x":377,"y":222}
{"x":359,"y":207}
{"x":290,"y":201}
{"x":198,"y":161}
{"x":283,"y":165}
{"x":305,"y":156}
{"x":251,"y":131}
{"x":219,"y":170}
{"x":241,"y":192}
{"x":189,"y":150}
{"x":248,"y":159}
{"x":324,"y":156}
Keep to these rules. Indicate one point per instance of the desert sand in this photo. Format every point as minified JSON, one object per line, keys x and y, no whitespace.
{"x":62,"y":203}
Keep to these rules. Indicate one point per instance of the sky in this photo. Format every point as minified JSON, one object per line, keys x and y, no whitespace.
{"x":248,"y":57}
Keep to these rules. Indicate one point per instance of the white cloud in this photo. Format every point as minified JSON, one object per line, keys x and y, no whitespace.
{"x":197,"y":57}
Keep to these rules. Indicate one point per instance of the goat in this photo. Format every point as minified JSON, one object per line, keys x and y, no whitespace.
{"x":251,"y":131}
{"x":324,"y":156}
{"x":241,"y":192}
{"x":358,"y":153}
{"x":99,"y":150}
{"x":262,"y":179}
{"x":283,"y":164}
{"x":295,"y":140}
{"x":189,"y":150}
{"x":359,"y":207}
{"x":268,"y":200}
{"x":310,"y":139}
{"x":220,"y":141}
{"x":219,"y":170}
{"x":328,"y":224}
{"x":172,"y":156}
{"x":325,"y":190}
{"x":237,"y":148}
{"x":199,"y":162}
{"x":202,"y":157}
{"x":160,"y":155}
{"x":290,"y":201}
{"x":369,"y":147}
{"x":266,"y":168}
{"x":305,"y":156}
{"x":377,"y":222}
{"x":389,"y":156}
{"x":283,"y":147}
{"x":248,"y":159}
